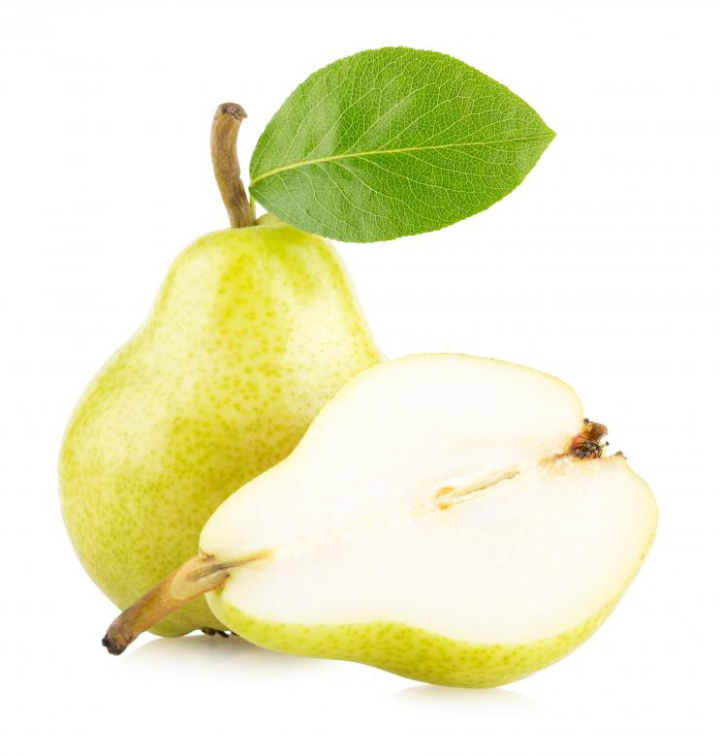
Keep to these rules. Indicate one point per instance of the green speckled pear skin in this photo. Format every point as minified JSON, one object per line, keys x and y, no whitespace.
{"x":253,"y":331}
{"x":413,"y":652}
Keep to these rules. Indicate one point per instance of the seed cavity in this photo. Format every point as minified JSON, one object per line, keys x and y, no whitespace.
{"x":451,"y":495}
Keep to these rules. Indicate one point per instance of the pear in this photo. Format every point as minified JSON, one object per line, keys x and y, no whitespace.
{"x":451,"y":519}
{"x":253,"y":330}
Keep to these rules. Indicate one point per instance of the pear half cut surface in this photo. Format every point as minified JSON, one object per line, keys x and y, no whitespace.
{"x":447,"y":518}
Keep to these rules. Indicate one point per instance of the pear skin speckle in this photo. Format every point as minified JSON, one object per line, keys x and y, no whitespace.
{"x":252,"y":332}
{"x":411,"y":651}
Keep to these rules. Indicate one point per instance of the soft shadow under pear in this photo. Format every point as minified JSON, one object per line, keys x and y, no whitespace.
{"x":496,"y":700}
{"x":213,"y":651}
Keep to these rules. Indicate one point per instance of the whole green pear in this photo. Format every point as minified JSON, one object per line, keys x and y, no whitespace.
{"x":253,"y":331}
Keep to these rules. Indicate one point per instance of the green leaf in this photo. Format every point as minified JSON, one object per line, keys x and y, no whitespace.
{"x":392,"y":142}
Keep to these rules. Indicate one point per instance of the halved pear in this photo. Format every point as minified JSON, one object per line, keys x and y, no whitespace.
{"x":447,"y":518}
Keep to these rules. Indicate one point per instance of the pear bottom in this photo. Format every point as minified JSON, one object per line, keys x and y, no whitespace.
{"x":410,"y":651}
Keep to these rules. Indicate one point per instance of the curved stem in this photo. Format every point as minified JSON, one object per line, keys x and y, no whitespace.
{"x":223,"y":148}
{"x":195,"y":577}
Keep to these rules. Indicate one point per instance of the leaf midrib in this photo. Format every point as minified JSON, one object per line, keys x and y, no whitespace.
{"x":366,"y":153}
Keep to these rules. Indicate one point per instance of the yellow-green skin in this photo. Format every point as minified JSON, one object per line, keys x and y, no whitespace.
{"x":413,"y":652}
{"x":253,"y":331}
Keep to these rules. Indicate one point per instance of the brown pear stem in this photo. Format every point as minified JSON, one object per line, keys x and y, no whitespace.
{"x":223,"y":147}
{"x":195,"y":577}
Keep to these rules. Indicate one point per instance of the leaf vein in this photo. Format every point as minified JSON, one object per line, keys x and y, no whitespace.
{"x":395,"y":151}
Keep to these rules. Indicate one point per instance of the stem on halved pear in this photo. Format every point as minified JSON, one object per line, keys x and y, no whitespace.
{"x":197,"y":576}
{"x":223,"y":148}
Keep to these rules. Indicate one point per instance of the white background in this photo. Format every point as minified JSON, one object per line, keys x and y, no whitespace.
{"x":602,"y":268}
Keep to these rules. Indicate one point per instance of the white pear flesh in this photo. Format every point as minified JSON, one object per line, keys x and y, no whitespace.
{"x":434,"y":522}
